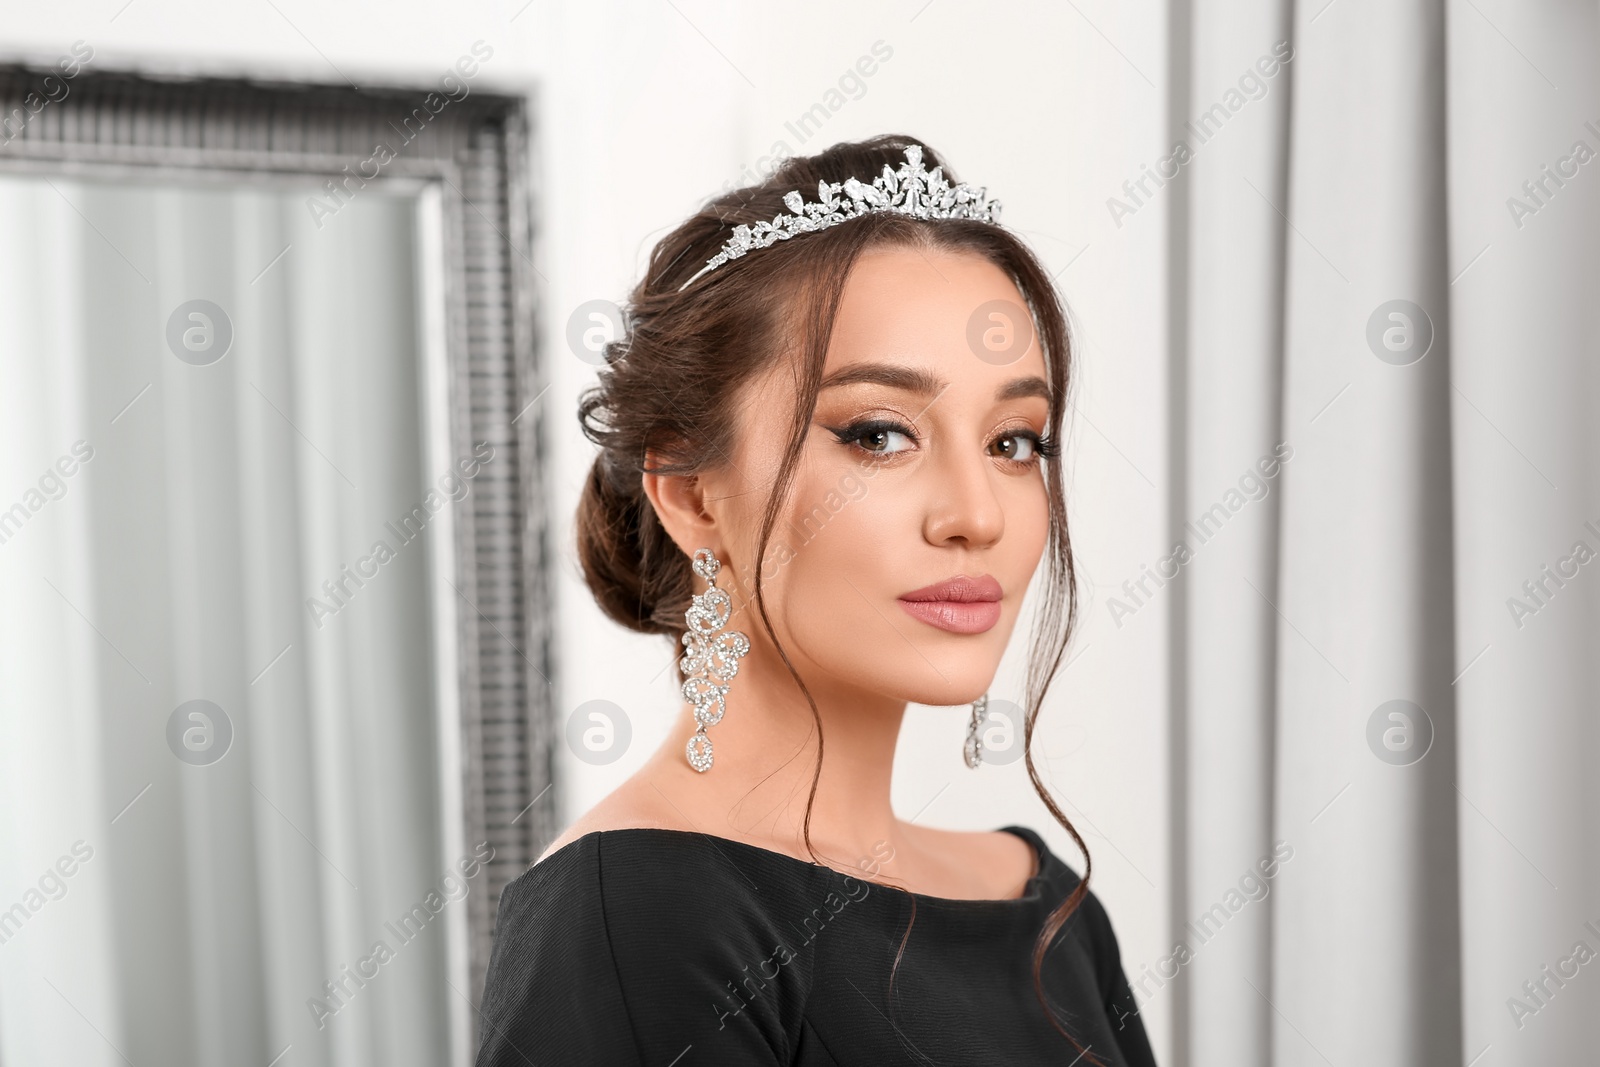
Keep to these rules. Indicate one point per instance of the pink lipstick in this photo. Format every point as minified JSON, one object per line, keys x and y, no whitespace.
{"x":960,"y":605}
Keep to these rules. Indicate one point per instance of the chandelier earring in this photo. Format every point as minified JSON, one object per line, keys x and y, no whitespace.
{"x":973,"y":749}
{"x":711,"y":657}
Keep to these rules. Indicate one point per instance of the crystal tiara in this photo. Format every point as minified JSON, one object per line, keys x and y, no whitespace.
{"x":908,"y":191}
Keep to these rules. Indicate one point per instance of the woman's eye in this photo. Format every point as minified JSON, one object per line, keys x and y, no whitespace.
{"x":1020,"y":447}
{"x":1015,"y":446}
{"x":879,"y":438}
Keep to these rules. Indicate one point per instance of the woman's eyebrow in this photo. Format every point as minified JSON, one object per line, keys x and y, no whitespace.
{"x":1016,"y":388}
{"x":923,"y":383}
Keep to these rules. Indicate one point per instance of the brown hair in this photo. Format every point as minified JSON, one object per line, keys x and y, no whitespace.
{"x":682,"y":359}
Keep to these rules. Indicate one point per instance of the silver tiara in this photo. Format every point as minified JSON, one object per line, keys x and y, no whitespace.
{"x":908,"y":191}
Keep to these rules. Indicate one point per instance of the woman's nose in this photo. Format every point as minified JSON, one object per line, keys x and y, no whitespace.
{"x":962,"y":504}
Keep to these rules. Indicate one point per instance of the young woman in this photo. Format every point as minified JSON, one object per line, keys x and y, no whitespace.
{"x":825,"y":473}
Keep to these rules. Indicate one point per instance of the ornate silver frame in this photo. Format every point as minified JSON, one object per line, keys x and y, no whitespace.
{"x":477,"y":153}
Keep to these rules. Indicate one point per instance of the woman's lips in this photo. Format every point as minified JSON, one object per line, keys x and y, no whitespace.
{"x":960,"y":617}
{"x":960,"y":605}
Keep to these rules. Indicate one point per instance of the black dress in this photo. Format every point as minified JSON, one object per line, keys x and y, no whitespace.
{"x":667,"y":948}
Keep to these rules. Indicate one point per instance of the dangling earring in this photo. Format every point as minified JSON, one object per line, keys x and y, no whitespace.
{"x":712,"y":659}
{"x":973,"y":749}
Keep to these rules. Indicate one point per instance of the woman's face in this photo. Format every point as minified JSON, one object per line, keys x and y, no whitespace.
{"x":920,"y":465}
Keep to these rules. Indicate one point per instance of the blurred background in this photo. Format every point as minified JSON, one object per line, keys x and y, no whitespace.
{"x":296,"y":667}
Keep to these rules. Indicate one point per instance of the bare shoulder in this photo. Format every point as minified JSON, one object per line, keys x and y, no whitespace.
{"x":634,"y":803}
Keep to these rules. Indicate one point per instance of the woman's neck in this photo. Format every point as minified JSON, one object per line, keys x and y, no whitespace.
{"x":765,"y":754}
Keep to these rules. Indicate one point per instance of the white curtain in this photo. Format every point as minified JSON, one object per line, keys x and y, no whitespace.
{"x":175,"y":564}
{"x":1361,"y":284}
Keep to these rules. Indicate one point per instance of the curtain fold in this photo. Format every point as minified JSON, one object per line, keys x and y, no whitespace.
{"x":1389,"y":648}
{"x":1525,"y":219}
{"x":1366,"y":946}
{"x":1237,"y":454}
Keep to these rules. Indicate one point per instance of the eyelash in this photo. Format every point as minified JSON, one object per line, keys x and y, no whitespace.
{"x":1044,"y":447}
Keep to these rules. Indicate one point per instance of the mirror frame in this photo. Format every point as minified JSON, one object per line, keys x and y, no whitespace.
{"x":475,"y":154}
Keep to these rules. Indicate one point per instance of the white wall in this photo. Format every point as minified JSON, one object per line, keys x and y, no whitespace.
{"x":644,"y":109}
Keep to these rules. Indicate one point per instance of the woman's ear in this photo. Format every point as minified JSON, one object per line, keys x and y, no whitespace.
{"x":680,"y":503}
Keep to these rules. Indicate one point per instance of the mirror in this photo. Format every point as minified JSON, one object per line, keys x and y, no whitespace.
{"x":267,"y":757}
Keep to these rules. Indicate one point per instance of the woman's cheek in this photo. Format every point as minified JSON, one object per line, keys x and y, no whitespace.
{"x":1028,"y":525}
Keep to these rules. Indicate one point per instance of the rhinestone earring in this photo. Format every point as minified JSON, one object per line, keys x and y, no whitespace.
{"x":711,"y":659}
{"x":973,"y":749}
